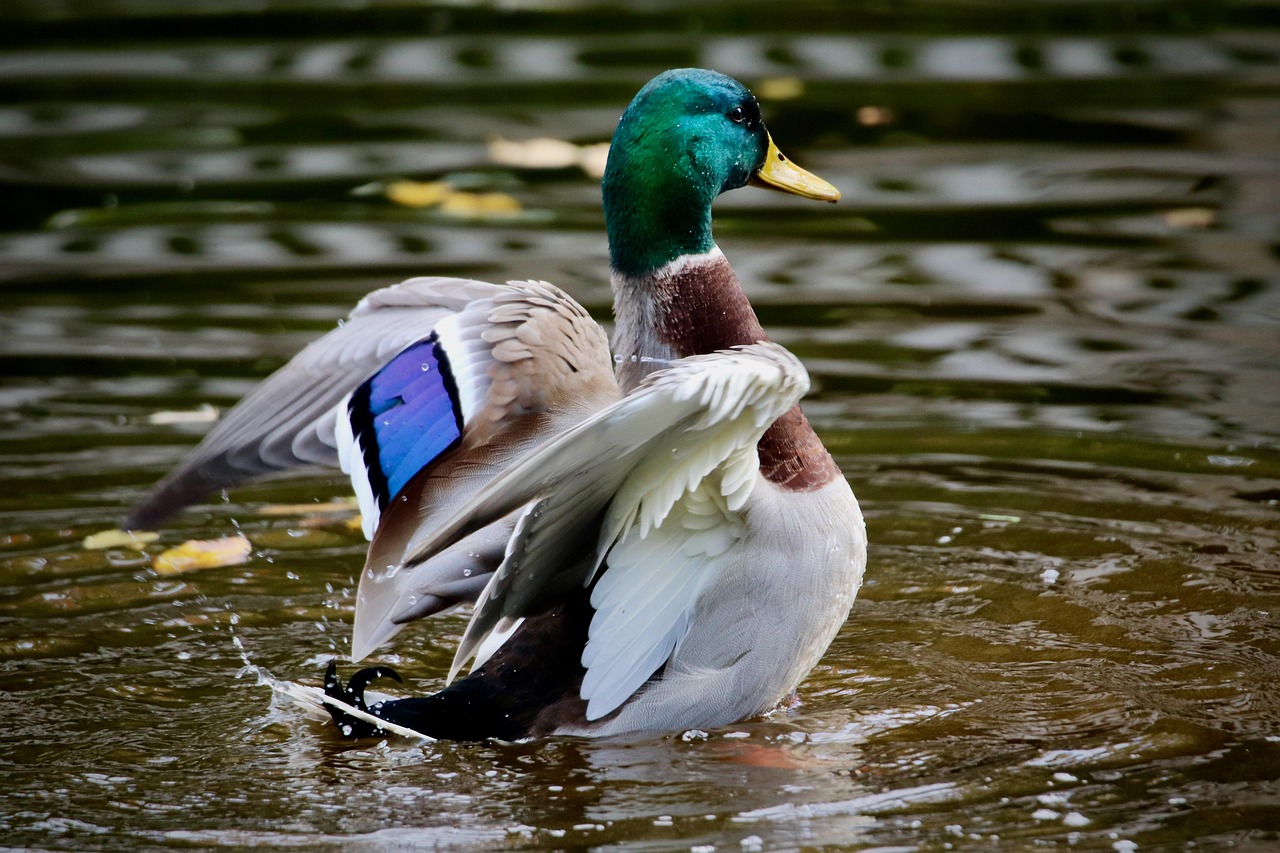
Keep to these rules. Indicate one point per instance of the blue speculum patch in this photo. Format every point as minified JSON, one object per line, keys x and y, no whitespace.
{"x":405,"y":416}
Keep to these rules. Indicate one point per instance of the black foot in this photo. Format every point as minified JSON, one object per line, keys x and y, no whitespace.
{"x":353,"y":694}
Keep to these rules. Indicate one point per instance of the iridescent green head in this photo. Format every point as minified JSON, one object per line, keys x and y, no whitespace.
{"x":689,"y":135}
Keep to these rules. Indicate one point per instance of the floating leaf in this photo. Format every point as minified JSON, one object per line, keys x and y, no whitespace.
{"x":318,"y":515}
{"x":348,"y":505}
{"x":1191,"y":218}
{"x":540,"y":153}
{"x":205,"y":414}
{"x":195,"y":554}
{"x":547,"y":153}
{"x":324,"y":520}
{"x":418,"y":193}
{"x":451,"y":201}
{"x":482,"y":205}
{"x":780,"y":88}
{"x":136,"y":539}
{"x":873,"y":116}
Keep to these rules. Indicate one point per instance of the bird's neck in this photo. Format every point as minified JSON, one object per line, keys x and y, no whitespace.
{"x":689,"y":306}
{"x":695,"y":305}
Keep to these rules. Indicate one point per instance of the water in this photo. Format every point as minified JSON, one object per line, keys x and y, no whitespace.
{"x":1042,"y":328}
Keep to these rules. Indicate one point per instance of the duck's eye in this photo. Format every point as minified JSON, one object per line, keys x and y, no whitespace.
{"x":738,"y":114}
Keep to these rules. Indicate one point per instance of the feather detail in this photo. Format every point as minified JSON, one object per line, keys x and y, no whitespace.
{"x":526,"y":363}
{"x":646,"y":599}
{"x":289,"y":419}
{"x":620,"y":462}
{"x":397,"y":422}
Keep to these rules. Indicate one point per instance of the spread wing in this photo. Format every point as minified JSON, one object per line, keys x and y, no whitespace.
{"x":428,"y":390}
{"x":444,"y":417}
{"x":647,"y":495}
{"x":289,"y":419}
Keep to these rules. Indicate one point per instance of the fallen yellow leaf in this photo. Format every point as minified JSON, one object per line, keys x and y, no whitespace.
{"x":481,"y":205}
{"x":306,"y":509}
{"x":450,"y":201}
{"x":873,"y":116}
{"x":546,"y":153}
{"x":780,"y":88}
{"x":540,"y":153}
{"x":418,"y":193}
{"x":195,"y":554}
{"x":1191,"y":218}
{"x":135,"y":539}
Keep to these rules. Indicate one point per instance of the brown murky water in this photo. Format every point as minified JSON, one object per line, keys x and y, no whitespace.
{"x":1043,"y":332}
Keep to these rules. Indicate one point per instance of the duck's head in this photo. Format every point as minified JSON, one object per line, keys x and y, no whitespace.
{"x":687,"y":136}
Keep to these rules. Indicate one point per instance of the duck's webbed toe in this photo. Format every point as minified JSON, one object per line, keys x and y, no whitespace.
{"x":352,"y":693}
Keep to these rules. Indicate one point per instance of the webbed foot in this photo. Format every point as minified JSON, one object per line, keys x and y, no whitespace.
{"x":353,"y":694}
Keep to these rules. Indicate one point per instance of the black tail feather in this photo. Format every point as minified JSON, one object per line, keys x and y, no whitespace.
{"x":518,"y":693}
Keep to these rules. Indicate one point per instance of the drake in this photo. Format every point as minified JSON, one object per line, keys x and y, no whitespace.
{"x":661,"y":546}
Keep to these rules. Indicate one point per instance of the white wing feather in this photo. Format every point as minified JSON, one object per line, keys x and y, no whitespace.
{"x":646,"y":597}
{"x":673,"y":461}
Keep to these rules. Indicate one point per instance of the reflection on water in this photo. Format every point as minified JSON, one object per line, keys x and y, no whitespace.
{"x":1041,"y":327}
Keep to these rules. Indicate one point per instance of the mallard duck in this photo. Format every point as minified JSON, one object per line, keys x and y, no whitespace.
{"x":662,"y":546}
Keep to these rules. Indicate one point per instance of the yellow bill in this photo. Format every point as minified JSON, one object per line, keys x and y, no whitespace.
{"x":779,"y":173}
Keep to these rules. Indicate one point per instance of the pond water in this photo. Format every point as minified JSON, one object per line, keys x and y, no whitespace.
{"x":1042,"y":327}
